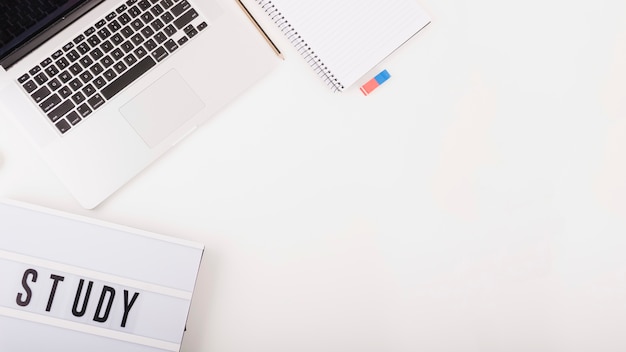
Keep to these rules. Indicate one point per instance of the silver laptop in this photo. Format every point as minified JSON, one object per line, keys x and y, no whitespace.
{"x":106,"y":87}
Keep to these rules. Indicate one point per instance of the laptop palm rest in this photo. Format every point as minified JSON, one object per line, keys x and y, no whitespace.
{"x":162,"y":108}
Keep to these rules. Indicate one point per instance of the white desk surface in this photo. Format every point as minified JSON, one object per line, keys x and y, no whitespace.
{"x":474,"y":202}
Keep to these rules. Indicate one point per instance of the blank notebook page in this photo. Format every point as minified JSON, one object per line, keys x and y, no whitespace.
{"x":352,"y":36}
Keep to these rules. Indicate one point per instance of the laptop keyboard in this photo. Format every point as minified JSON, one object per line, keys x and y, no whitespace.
{"x":81,"y":76}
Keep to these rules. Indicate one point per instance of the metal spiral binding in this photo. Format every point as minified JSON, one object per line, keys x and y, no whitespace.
{"x":301,"y":46}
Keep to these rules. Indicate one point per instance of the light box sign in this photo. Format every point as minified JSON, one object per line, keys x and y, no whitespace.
{"x":74,"y":284}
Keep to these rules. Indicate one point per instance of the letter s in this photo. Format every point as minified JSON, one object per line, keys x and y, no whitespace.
{"x":25,"y":301}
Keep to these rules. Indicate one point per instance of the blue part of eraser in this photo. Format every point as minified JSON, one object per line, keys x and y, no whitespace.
{"x":382,"y":77}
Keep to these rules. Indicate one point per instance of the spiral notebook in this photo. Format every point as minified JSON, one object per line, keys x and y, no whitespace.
{"x":343,"y":40}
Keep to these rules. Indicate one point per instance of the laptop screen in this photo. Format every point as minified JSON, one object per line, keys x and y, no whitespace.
{"x":26,"y":24}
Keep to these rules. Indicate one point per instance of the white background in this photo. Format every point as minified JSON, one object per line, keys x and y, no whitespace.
{"x":474,"y":202}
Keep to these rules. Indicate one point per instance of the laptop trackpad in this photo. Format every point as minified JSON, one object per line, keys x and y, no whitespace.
{"x":162,"y":108}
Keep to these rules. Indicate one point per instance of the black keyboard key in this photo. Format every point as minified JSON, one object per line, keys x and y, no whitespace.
{"x":76,"y":84}
{"x":83,"y":48}
{"x":134,"y":11}
{"x":99,"y":82}
{"x":104,"y":33}
{"x":111,"y":16}
{"x":160,"y":53}
{"x":54,"y":84}
{"x":90,"y":31}
{"x":140,"y":52}
{"x":169,"y":30}
{"x":57,"y":54}
{"x":52,"y":71}
{"x":137,"y":38}
{"x":117,"y":39}
{"x":119,"y":67}
{"x":202,"y":26}
{"x":128,"y":77}
{"x":73,"y":118}
{"x":94,"y":40}
{"x":34,"y":70}
{"x":147,"y":31}
{"x":130,"y":59}
{"x":180,"y":8}
{"x":114,"y":26}
{"x":30,"y":86}
{"x":86,"y":77}
{"x":183,"y":20}
{"x":110,"y":75}
{"x":106,"y":46}
{"x":137,"y":25}
{"x":107,"y":61}
{"x":65,"y":76}
{"x":78,"y":98}
{"x":86,"y":61}
{"x":166,"y":4}
{"x":143,"y":5}
{"x":62,"y":63}
{"x":192,"y":32}
{"x":160,"y":37}
{"x":150,"y":45}
{"x":157,"y":10}
{"x":121,"y":9}
{"x":101,"y":23}
{"x":167,"y":17}
{"x":96,"y":101}
{"x":127,"y":31}
{"x":124,"y":18}
{"x":96,"y":69}
{"x":117,"y":54}
{"x":40,"y":94}
{"x":46,"y":62}
{"x":63,"y":126}
{"x":73,"y":55}
{"x":41,"y":78}
{"x":75,"y":69}
{"x":65,"y":92}
{"x":79,"y":39}
{"x":182,"y":40}
{"x":84,"y":110}
{"x":157,"y":24}
{"x":96,"y":54}
{"x":89,"y":90}
{"x":131,"y":2}
{"x":147,"y":17}
{"x":23,"y":78}
{"x":68,"y":46}
{"x":170,"y":45}
{"x":127,"y":46}
{"x":61,"y":110}
{"x":50,"y":103}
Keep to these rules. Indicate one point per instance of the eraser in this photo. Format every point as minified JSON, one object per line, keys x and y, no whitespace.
{"x":375,"y":82}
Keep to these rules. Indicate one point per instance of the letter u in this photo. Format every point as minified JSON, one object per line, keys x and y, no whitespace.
{"x":82,"y":311}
